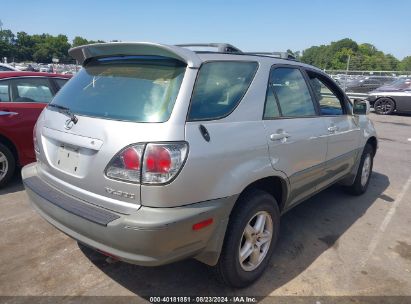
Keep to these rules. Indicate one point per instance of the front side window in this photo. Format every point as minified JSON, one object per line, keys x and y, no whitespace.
{"x":4,"y":91}
{"x":329,"y":102}
{"x":292,"y":92}
{"x":32,"y":90}
{"x":131,"y":88}
{"x":219,"y":88}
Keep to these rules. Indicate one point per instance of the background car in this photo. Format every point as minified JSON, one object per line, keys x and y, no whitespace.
{"x":395,"y":97}
{"x":367,"y":84}
{"x":6,"y":68}
{"x":23,"y":95}
{"x":46,"y":68}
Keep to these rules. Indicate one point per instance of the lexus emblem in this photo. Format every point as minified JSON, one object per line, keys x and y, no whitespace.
{"x":69,"y":124}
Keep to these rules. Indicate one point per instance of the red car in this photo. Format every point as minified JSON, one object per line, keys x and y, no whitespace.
{"x":23,"y":95}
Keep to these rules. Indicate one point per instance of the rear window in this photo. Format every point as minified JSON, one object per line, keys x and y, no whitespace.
{"x":132,"y":88}
{"x":219,"y":88}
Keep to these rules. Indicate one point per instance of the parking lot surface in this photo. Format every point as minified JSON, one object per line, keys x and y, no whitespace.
{"x":331,"y":245}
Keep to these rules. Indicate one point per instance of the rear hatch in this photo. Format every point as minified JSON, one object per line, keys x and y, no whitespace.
{"x":112,"y":103}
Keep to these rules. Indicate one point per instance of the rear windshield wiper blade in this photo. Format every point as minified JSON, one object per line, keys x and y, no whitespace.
{"x":64,"y":110}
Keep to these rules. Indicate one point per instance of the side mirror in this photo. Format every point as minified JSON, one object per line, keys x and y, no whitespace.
{"x":361,"y":107}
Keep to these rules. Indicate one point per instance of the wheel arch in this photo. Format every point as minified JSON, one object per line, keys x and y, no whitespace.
{"x":373,"y":141}
{"x":274,"y":185}
{"x":10,"y":144}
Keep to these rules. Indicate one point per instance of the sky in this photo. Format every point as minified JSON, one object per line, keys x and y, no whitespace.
{"x":275,"y":25}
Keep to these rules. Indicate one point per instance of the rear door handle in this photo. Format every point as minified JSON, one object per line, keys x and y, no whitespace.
{"x":8,"y":113}
{"x":332,"y":129}
{"x":279,"y":136}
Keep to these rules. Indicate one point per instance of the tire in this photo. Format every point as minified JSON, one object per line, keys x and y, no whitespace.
{"x":360,"y":184}
{"x":251,"y":207}
{"x":7,"y":164}
{"x":384,"y":106}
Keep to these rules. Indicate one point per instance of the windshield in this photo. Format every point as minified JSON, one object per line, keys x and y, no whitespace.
{"x":132,"y":88}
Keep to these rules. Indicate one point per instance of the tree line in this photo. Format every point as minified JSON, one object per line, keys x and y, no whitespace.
{"x":37,"y":48}
{"x":334,"y":56}
{"x":361,"y":57}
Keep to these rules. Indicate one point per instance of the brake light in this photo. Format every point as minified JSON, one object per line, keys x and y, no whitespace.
{"x":160,"y":163}
{"x":126,"y":164}
{"x":158,"y":160}
{"x":131,"y":159}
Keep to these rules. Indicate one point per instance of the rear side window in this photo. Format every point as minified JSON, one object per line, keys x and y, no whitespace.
{"x":4,"y":90}
{"x":271,"y":106}
{"x":32,"y":90}
{"x":219,"y":88}
{"x":131,"y":88}
{"x":292,"y":92}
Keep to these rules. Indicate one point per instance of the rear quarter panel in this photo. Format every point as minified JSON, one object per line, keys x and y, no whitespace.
{"x":236,"y":155}
{"x":403,"y":101}
{"x":19,"y":128}
{"x":234,"y":158}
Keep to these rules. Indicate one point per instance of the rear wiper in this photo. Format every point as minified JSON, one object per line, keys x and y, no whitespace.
{"x":64,"y":110}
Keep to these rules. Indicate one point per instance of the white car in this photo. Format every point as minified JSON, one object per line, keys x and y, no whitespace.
{"x":6,"y":68}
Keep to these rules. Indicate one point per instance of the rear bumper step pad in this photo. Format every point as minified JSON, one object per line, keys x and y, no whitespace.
{"x":68,"y":203}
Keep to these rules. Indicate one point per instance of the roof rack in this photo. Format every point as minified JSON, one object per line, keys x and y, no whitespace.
{"x":221,"y":47}
{"x":229,"y":48}
{"x":282,"y":55}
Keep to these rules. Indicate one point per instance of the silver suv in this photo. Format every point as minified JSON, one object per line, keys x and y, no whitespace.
{"x":155,"y":153}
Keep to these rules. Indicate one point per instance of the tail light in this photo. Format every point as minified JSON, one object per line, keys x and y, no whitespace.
{"x":162,"y":162}
{"x":153,"y":163}
{"x":126,"y":165}
{"x":35,"y":143}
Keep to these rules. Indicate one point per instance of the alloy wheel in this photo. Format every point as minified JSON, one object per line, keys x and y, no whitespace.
{"x":255,"y":241}
{"x":4,"y":165}
{"x":384,"y":106}
{"x":366,"y":170}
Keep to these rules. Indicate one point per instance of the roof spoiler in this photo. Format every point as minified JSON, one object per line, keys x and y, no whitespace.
{"x":82,"y":53}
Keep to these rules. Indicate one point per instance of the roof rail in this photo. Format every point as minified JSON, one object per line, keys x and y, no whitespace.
{"x":282,"y":55}
{"x":221,"y":47}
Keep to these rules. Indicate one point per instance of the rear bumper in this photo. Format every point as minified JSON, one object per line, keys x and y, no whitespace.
{"x":149,"y":236}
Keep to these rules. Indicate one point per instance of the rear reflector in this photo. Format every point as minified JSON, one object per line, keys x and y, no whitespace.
{"x":203,"y":224}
